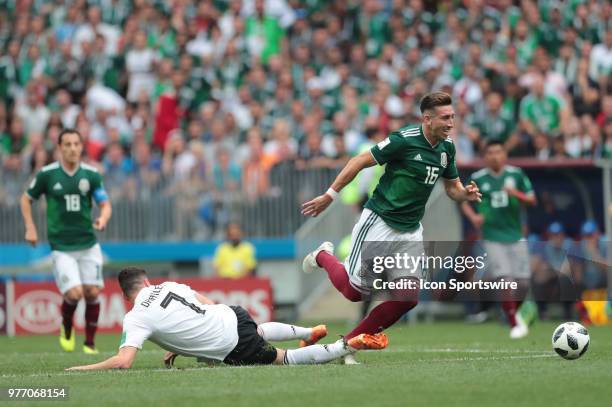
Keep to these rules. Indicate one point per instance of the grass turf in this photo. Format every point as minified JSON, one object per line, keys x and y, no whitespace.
{"x":442,"y":364}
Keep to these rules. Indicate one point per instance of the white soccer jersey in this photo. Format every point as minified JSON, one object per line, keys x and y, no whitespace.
{"x":170,"y":315}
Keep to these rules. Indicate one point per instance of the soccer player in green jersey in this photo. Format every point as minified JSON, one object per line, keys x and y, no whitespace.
{"x":415,"y":156}
{"x":504,"y":189}
{"x":69,"y":187}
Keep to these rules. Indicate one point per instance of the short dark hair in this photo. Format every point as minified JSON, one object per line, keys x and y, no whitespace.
{"x":435,"y":99}
{"x":130,"y":278}
{"x":493,"y":142}
{"x":68,"y":131}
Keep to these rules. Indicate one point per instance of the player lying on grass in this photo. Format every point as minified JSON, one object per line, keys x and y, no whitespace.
{"x":186,"y":323}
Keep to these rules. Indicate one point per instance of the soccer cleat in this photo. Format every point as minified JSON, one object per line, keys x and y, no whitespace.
{"x":318,"y":332}
{"x":367,"y":341}
{"x":520,"y":330}
{"x":310,"y":261}
{"x":90,"y":350}
{"x":67,"y":344}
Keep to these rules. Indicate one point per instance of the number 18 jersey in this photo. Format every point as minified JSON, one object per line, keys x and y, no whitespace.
{"x":69,"y":203}
{"x":169,"y":315}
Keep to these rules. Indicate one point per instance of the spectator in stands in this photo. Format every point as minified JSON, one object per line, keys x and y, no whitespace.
{"x":13,"y":178}
{"x":32,"y":111}
{"x":117,"y":169}
{"x":140,"y":64}
{"x":234,"y":258}
{"x":592,"y":254}
{"x":541,"y":112}
{"x":264,"y":35}
{"x":495,"y":123}
{"x":551,"y":263}
{"x":147,"y":171}
{"x":256,"y":168}
{"x":16,"y":139}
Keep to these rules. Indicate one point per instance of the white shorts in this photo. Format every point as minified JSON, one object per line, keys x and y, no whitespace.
{"x":371,"y":228}
{"x":72,"y":269}
{"x":508,"y":260}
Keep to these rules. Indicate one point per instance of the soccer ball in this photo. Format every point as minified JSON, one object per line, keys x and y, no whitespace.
{"x":570,"y":340}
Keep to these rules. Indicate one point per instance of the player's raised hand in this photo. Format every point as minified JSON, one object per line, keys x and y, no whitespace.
{"x":31,"y":236}
{"x":99,"y":224}
{"x":317,"y":205}
{"x":473,"y":193}
{"x":169,"y":358}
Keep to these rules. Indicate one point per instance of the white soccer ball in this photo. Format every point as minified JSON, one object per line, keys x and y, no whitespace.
{"x":570,"y":340}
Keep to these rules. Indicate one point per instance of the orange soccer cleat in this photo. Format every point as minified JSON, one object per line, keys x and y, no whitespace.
{"x":367,"y":341}
{"x":318,"y":332}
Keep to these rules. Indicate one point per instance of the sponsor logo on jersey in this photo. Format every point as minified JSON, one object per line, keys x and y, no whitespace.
{"x":57,"y":186}
{"x":443,"y":160}
{"x":418,"y":157}
{"x":485,"y":187}
{"x":383,"y":143}
{"x":84,"y":186}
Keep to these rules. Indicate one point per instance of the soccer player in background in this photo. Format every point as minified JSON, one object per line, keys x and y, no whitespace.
{"x":504,"y":189}
{"x":69,"y":187}
{"x":415,"y":157}
{"x":186,"y":323}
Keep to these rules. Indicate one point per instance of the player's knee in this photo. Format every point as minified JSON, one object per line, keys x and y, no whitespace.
{"x":74,"y":294}
{"x":351,"y":295}
{"x":91,"y":293}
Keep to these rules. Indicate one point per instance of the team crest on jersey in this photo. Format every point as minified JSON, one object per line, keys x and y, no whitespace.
{"x":443,"y":160}
{"x":485,"y":187}
{"x":84,"y":186}
{"x":509,"y":182}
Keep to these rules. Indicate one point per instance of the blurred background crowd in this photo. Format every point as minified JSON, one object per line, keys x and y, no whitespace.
{"x":205,"y":100}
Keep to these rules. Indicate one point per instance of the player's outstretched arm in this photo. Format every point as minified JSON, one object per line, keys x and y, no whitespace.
{"x":122,"y":360}
{"x":31,"y":236}
{"x":457,"y":192}
{"x":348,"y":173}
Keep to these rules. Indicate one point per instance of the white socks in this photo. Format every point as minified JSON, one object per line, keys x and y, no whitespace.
{"x":276,"y":331}
{"x":316,"y":353}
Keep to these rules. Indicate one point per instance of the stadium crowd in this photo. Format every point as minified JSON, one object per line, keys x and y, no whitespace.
{"x":203,"y":99}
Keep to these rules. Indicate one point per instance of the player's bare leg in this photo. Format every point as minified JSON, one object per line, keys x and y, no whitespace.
{"x":69,"y":304}
{"x":92,"y":313}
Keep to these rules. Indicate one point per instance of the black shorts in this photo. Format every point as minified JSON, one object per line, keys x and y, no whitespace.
{"x":251,"y":349}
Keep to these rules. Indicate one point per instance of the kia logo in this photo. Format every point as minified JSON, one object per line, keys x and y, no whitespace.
{"x":39,"y":311}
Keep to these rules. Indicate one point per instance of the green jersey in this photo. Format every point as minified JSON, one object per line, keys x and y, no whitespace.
{"x":69,"y":203}
{"x":544,"y":113}
{"x":412,"y":167}
{"x":501,"y":212}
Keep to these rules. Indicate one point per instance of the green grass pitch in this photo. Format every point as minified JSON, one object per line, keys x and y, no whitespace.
{"x":441,"y":364}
